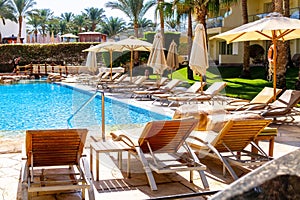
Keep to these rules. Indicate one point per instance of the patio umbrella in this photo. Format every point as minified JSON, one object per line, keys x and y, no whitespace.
{"x":91,"y":61}
{"x":106,"y":47}
{"x":69,"y":35}
{"x":172,"y":57}
{"x":273,"y":27}
{"x":199,"y":57}
{"x":52,"y":37}
{"x":157,"y":59}
{"x":133,"y":44}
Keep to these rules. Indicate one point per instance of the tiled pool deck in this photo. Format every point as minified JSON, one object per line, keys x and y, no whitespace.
{"x":113,"y":185}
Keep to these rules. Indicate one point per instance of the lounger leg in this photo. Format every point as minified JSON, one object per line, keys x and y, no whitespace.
{"x":128,"y":165}
{"x":225,"y":162}
{"x":147,"y":169}
{"x":201,"y":173}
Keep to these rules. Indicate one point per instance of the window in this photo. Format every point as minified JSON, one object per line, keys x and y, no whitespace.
{"x":225,"y":49}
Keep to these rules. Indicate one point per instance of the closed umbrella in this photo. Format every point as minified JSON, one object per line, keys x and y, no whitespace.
{"x":91,"y":61}
{"x":199,"y":56}
{"x":157,"y":59}
{"x":133,"y":44}
{"x":273,"y":27}
{"x":106,"y":47}
{"x":172,"y":57}
{"x":52,"y":37}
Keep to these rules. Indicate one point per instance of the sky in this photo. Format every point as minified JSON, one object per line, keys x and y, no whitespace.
{"x":76,"y":6}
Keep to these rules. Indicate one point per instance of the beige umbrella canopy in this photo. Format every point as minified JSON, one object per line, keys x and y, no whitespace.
{"x":274,"y":27}
{"x":157,"y":59}
{"x":172,"y":57}
{"x":106,"y":47}
{"x":133,"y":44}
{"x":199,"y":56}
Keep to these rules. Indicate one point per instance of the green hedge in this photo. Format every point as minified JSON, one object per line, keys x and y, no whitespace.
{"x":60,"y":53}
{"x":169,"y":36}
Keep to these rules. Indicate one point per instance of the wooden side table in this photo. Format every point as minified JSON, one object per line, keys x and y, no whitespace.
{"x":106,"y":147}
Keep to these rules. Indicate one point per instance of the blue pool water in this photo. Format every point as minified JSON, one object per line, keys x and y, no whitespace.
{"x":45,"y":105}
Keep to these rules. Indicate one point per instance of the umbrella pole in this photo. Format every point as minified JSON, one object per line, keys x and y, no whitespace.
{"x":110,"y":54}
{"x":275,"y":66}
{"x":201,"y":80}
{"x":131,"y":62}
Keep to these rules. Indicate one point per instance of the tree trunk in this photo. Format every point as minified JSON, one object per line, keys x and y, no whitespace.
{"x":20,"y":26}
{"x":246,"y":59}
{"x":136,"y":34}
{"x":282,"y":55}
{"x":162,"y":22}
{"x":190,"y":43}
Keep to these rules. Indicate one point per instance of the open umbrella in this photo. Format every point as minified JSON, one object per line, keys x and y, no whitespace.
{"x":172,"y":57}
{"x":133,"y":44}
{"x":157,"y":59}
{"x":91,"y":61}
{"x":199,"y":56}
{"x":273,"y":27}
{"x":106,"y":47}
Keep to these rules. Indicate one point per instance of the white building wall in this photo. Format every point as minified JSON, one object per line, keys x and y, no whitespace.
{"x":11,"y":27}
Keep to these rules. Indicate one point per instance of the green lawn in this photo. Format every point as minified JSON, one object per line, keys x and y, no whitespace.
{"x":240,"y":87}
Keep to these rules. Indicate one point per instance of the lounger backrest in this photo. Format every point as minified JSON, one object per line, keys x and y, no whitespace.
{"x":121,"y":78}
{"x":166,"y":136}
{"x":215,"y":88}
{"x":237,"y":134}
{"x":170,"y":85}
{"x":195,"y":87}
{"x":265,"y":95}
{"x":116,"y":75}
{"x":140,"y":80}
{"x":288,"y":99}
{"x":105,"y":75}
{"x":55,"y":147}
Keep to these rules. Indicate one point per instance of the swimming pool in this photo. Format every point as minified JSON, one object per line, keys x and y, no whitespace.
{"x":40,"y":105}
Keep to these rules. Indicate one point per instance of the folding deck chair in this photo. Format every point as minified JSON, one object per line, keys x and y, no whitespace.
{"x":265,"y":96}
{"x":228,"y":144}
{"x":159,"y":138}
{"x":206,"y":95}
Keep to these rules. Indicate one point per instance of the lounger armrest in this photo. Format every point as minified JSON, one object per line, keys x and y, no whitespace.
{"x":124,"y":139}
{"x":237,"y":101}
{"x":256,"y":106}
{"x":269,"y":110}
{"x":198,"y":139}
{"x":251,"y":106}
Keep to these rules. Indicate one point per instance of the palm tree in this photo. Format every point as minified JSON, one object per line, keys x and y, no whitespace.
{"x":166,"y":13}
{"x":6,"y":11}
{"x":282,"y":55}
{"x":79,"y":22}
{"x":95,"y":15}
{"x":34,"y":21}
{"x":45,"y":16}
{"x":134,"y":9}
{"x":112,"y":26}
{"x":187,"y":7}
{"x":246,"y":58}
{"x":22,"y":8}
{"x":144,"y":24}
